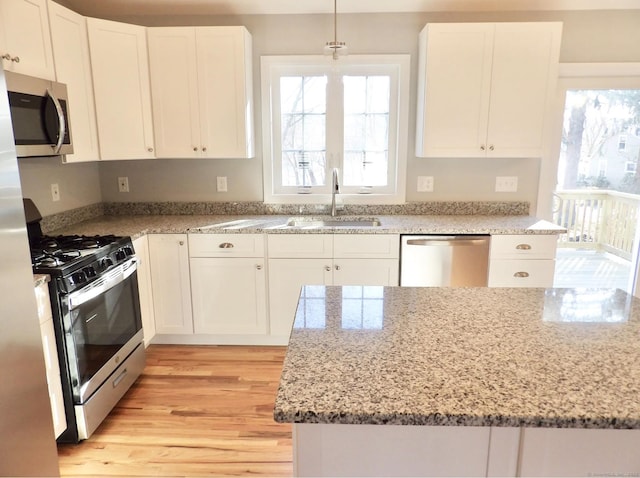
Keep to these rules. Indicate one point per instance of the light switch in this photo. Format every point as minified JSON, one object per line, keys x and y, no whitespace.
{"x":506,"y":184}
{"x":221,"y":183}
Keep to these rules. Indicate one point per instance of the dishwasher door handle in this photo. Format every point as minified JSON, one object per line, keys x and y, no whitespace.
{"x":446,"y":241}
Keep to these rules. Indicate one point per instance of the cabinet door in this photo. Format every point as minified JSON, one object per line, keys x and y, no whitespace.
{"x":286,"y":277}
{"x":174,"y":92}
{"x":122,"y":94}
{"x":73,"y":67}
{"x":170,"y":284}
{"x":53,"y":377}
{"x":225,"y":91}
{"x":25,"y":38}
{"x":454,"y":76}
{"x":365,"y":272}
{"x":524,"y":72}
{"x":229,"y":295}
{"x":141,"y":248}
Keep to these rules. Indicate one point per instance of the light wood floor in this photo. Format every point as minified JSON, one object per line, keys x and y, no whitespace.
{"x":195,"y":411}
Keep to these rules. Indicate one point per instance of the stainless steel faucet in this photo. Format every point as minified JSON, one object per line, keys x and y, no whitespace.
{"x":335,"y":189}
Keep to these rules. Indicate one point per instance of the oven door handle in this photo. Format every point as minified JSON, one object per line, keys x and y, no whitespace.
{"x":115,"y":276}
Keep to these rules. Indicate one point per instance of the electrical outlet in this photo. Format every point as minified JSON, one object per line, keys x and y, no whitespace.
{"x":221,"y":183}
{"x":123,"y":184}
{"x":55,"y":192}
{"x":425,"y":184}
{"x":506,"y":184}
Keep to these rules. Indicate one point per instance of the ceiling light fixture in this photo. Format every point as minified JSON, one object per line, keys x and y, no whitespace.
{"x":335,"y":48}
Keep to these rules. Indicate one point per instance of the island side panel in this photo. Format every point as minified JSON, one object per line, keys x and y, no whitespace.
{"x":389,"y":450}
{"x":580,"y":452}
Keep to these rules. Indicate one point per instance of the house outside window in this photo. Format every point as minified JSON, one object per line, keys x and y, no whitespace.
{"x":622,"y":142}
{"x":350,"y":114}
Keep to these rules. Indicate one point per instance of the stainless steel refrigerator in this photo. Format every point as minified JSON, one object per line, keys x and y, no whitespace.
{"x":27,"y":442}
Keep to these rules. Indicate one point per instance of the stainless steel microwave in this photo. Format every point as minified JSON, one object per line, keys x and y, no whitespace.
{"x":40,"y":116}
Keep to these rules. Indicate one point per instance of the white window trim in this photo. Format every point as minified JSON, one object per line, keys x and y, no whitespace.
{"x":402,"y":62}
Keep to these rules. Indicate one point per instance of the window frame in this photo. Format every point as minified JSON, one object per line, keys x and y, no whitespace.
{"x":396,"y":66}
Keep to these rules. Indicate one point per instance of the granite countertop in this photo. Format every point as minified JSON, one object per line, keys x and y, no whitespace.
{"x":137,"y":225}
{"x":567,"y":358}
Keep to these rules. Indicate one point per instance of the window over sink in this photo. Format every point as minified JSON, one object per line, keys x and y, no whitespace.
{"x":349,"y":114}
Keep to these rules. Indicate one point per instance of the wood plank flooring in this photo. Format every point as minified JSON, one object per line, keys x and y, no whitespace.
{"x":195,"y":411}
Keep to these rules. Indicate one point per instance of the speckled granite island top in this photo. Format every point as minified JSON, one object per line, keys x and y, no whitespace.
{"x":567,"y":358}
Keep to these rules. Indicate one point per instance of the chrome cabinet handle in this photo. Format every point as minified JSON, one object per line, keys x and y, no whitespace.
{"x":226,"y":245}
{"x":482,"y":148}
{"x":327,"y":268}
{"x":62,"y":126}
{"x":16,"y":59}
{"x":150,"y":150}
{"x":523,"y":247}
{"x":195,"y":148}
{"x":181,"y":243}
{"x":337,"y":268}
{"x":204,"y":149}
{"x":6,"y":56}
{"x":521,"y":274}
{"x":491,"y":148}
{"x":259,"y":267}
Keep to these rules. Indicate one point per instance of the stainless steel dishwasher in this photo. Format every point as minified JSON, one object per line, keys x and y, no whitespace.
{"x":447,"y":261}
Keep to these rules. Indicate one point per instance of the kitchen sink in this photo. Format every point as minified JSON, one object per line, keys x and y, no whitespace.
{"x":333,"y":222}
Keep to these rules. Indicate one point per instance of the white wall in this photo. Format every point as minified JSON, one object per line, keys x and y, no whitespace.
{"x":594,"y":36}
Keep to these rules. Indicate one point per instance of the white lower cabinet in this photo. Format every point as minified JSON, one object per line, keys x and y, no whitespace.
{"x":522,"y":260}
{"x":324,"y":259}
{"x":170,"y":283}
{"x":52,"y":365}
{"x":228,"y":284}
{"x":141,"y":248}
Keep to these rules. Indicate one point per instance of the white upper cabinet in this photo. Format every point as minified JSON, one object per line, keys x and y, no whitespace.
{"x":25,"y":41}
{"x":201,"y":83}
{"x":484,"y":89}
{"x":121,"y":85}
{"x":73,"y":67}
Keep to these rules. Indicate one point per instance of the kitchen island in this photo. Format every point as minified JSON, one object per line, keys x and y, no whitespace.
{"x":384,"y":381}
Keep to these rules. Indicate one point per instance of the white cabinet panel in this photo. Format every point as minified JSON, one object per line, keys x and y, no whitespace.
{"x":523,"y":246}
{"x":521,"y":273}
{"x":522,"y":260}
{"x":365,"y":271}
{"x":286,"y":277}
{"x":366,"y":245}
{"x":171,"y":286}
{"x":121,"y":85}
{"x":52,"y":366}
{"x":202,"y":89}
{"x":174,"y":90}
{"x":73,"y":67}
{"x":141,"y":248}
{"x":485,"y":89}
{"x":226,"y":245}
{"x":300,"y":245}
{"x":229,"y":295}
{"x":25,"y":40}
{"x":225,"y":81}
{"x":579,"y":452}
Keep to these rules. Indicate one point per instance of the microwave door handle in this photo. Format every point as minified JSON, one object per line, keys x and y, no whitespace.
{"x":62,"y":127}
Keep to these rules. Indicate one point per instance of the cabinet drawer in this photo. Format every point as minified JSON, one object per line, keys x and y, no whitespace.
{"x":300,"y":245}
{"x":524,"y":247}
{"x":366,"y":246}
{"x":521,"y":273}
{"x":226,"y":245}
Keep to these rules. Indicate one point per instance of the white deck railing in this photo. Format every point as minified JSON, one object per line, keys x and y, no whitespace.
{"x":598,"y":219}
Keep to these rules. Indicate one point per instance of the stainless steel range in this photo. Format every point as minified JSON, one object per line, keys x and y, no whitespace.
{"x":96,"y":310}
